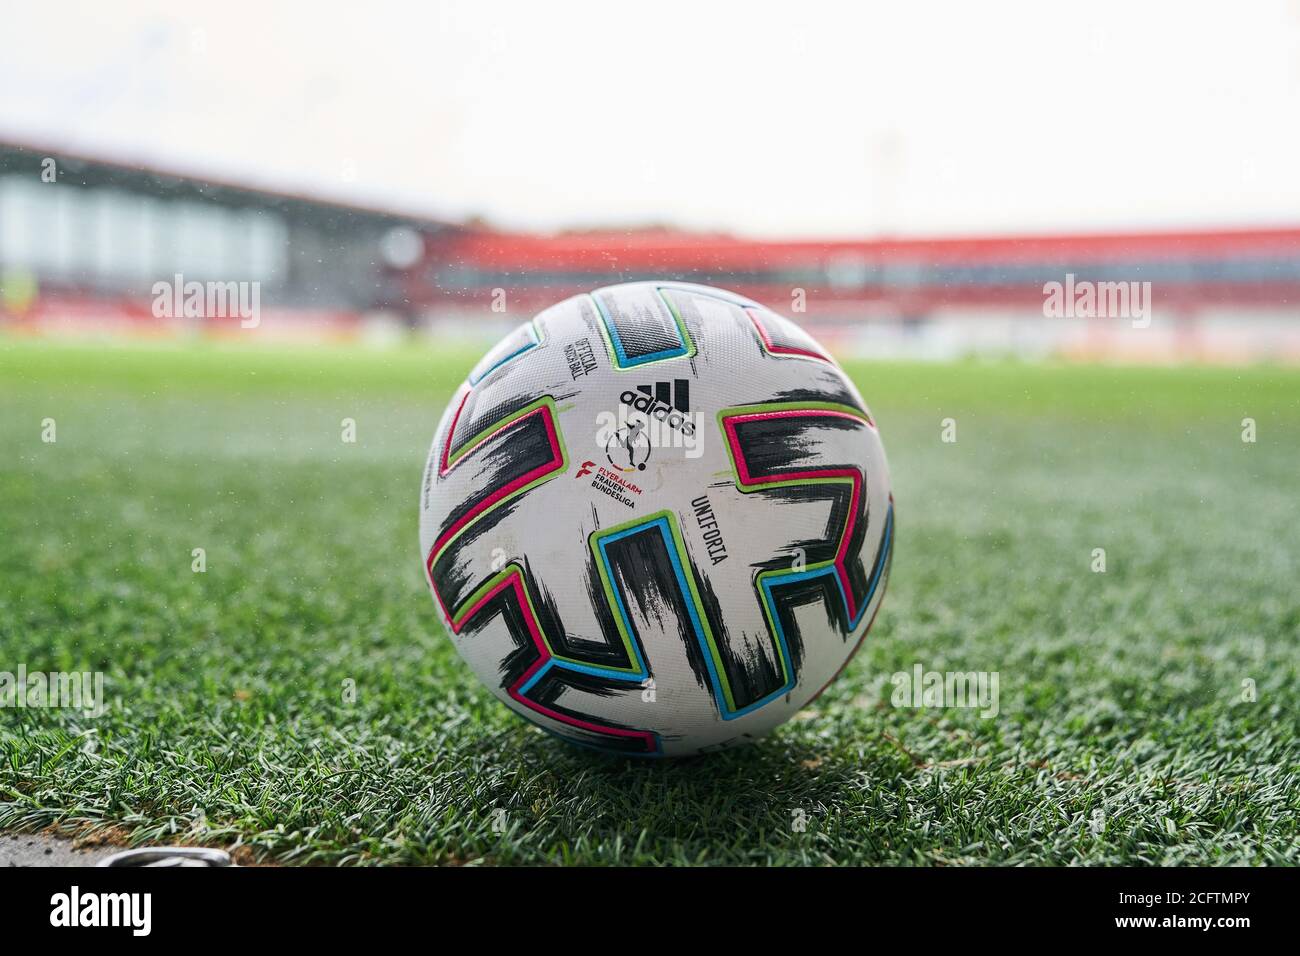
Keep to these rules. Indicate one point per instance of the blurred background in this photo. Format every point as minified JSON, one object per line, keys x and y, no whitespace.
{"x":447,"y":169}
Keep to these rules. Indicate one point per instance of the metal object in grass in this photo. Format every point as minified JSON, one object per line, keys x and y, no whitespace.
{"x":169,"y":856}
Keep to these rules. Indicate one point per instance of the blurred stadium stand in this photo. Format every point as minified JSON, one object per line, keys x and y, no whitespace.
{"x":83,"y":255}
{"x":83,"y":252}
{"x":1229,"y":295}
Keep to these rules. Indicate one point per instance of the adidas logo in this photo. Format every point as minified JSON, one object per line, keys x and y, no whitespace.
{"x":668,"y":403}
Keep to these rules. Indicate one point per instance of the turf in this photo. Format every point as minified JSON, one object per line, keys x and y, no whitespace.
{"x":1126,"y":733}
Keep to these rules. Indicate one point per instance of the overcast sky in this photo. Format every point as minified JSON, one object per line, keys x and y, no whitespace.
{"x":790,"y":118}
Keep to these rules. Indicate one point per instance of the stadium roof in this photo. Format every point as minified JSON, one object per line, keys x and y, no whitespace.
{"x":205,"y":184}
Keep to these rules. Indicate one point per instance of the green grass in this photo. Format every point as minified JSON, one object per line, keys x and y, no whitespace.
{"x":1123,"y":735}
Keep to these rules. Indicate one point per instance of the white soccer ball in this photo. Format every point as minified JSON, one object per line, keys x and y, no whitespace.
{"x":657,"y":519}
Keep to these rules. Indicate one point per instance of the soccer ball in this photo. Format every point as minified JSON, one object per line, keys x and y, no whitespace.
{"x":657,"y":519}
